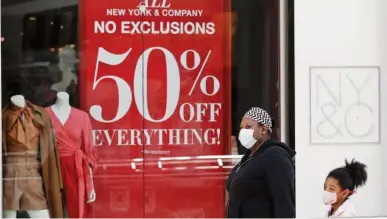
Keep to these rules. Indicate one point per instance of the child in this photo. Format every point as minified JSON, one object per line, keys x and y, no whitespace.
{"x":340,"y":184}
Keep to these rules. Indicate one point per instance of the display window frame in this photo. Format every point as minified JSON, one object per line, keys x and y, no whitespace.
{"x":231,"y":153}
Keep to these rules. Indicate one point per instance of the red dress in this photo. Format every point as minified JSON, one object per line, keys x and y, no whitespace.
{"x":75,"y":146}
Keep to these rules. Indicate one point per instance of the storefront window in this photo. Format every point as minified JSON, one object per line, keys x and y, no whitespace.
{"x":164,"y":84}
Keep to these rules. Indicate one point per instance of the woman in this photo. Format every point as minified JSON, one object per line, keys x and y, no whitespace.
{"x":339,"y":185}
{"x":262,"y":184}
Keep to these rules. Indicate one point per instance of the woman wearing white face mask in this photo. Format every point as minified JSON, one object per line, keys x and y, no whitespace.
{"x":262,"y":184}
{"x":339,"y":185}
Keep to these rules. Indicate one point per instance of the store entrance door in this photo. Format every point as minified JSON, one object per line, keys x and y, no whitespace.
{"x":255,"y":61}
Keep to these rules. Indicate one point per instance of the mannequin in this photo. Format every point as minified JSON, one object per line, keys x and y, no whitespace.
{"x":74,"y":138}
{"x":67,"y":60}
{"x":21,"y":147}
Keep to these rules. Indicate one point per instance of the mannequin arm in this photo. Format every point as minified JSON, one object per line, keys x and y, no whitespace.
{"x":93,"y":194}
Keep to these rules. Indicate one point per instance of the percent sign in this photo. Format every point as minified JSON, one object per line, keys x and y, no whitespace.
{"x":203,"y":81}
{"x":140,"y":81}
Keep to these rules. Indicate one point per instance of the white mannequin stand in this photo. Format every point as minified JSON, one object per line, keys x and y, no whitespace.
{"x":19,"y":101}
{"x":62,"y":110}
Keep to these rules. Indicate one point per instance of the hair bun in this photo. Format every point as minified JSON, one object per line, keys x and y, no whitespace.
{"x":357,"y":171}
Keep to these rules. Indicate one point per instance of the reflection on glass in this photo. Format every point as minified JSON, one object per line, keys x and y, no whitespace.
{"x":40,"y":56}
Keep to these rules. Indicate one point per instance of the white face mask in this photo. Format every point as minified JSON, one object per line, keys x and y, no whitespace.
{"x":246,"y":138}
{"x":329,"y":198}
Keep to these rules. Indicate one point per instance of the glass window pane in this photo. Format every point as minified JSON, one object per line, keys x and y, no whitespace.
{"x":172,"y":89}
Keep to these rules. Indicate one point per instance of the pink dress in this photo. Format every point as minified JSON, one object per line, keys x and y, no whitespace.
{"x":75,"y":146}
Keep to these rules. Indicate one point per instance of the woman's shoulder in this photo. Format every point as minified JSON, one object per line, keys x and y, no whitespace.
{"x":277,"y":150}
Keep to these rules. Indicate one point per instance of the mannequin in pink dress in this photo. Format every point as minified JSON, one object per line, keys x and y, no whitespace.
{"x":75,"y":144}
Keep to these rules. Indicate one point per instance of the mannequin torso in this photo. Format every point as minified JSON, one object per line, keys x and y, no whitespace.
{"x":62,"y":108}
{"x":19,"y":101}
{"x":70,"y":124}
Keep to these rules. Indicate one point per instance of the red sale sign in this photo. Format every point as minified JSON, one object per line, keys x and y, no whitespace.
{"x":155,"y":81}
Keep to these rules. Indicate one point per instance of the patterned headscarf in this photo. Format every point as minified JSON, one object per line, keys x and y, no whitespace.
{"x":261,"y":116}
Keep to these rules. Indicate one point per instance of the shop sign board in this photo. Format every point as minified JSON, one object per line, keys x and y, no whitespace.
{"x":155,"y":82}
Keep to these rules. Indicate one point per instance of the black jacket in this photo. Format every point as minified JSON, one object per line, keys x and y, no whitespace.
{"x":263,"y":185}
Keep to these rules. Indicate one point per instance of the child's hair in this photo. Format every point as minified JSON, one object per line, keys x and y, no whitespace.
{"x":351,"y":176}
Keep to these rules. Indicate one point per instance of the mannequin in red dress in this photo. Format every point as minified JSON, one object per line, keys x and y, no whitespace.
{"x":75,"y":144}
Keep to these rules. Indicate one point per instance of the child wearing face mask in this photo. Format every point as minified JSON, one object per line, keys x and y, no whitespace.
{"x":340,"y":184}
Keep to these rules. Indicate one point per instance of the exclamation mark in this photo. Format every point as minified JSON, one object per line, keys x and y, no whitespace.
{"x":218,"y":132}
